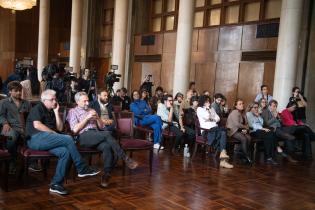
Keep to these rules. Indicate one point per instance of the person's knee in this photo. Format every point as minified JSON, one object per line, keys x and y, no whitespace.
{"x":63,"y":153}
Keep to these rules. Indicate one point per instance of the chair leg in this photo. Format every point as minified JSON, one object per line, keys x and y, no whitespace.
{"x":151,"y":159}
{"x":6,"y":172}
{"x":124,"y":168}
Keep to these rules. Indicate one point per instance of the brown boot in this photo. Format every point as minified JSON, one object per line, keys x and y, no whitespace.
{"x":105,"y":180}
{"x":131,"y":164}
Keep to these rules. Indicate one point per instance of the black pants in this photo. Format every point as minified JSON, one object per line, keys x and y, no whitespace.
{"x":179,"y":135}
{"x":289,"y":139}
{"x":304,"y":132}
{"x":245,"y":141}
{"x":103,"y":141}
{"x":269,"y":139}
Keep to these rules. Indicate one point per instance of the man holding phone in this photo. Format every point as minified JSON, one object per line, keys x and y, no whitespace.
{"x":42,"y":125}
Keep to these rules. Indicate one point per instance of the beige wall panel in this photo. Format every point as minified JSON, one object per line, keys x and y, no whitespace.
{"x":251,"y":77}
{"x":192,"y":72}
{"x":167,"y":73}
{"x":269,"y":74}
{"x":272,"y":43}
{"x":230,"y":38}
{"x":203,"y":57}
{"x":226,"y":80}
{"x":139,"y":49}
{"x":229,"y":56}
{"x":168,"y":57}
{"x":169,"y":43}
{"x":249,"y":41}
{"x":157,"y":47}
{"x":154,"y":69}
{"x":136,"y":76}
{"x":194,"y":44}
{"x":205,"y":77}
{"x":208,"y":40}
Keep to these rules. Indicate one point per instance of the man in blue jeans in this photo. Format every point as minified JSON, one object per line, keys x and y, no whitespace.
{"x":41,"y":125}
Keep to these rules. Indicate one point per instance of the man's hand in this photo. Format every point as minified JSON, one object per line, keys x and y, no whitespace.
{"x":6,"y":128}
{"x":92,"y":115}
{"x":244,"y":131}
{"x":266,"y":129}
{"x":108,"y":122}
{"x":183,"y":129}
{"x":56,"y":109}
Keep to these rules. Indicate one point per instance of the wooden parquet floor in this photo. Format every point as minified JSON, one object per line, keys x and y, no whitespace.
{"x":176,"y":183}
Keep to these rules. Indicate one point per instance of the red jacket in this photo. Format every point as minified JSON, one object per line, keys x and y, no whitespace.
{"x":287,"y":118}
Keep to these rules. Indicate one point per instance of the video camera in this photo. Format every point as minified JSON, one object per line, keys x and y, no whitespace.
{"x":111,"y":77}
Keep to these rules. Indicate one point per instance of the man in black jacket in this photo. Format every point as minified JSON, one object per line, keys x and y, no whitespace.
{"x":104,"y":109}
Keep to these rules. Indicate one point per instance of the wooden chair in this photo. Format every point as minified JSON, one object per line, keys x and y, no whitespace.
{"x":128,"y":142}
{"x":167,"y":134}
{"x":4,"y":161}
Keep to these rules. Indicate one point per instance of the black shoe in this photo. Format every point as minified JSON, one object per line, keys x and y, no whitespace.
{"x":88,"y":171}
{"x":105,"y":180}
{"x":59,"y":189}
{"x":283,"y":154}
{"x":35,"y":167}
{"x":271,"y":161}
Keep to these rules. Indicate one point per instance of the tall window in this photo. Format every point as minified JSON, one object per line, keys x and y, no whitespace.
{"x":164,"y":15}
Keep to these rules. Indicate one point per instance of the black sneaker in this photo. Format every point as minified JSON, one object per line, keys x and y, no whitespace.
{"x":271,"y":161}
{"x":59,"y":189}
{"x":88,"y":171}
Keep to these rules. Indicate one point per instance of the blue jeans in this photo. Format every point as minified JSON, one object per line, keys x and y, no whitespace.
{"x":217,"y":136}
{"x":154,"y":122}
{"x":63,"y":147}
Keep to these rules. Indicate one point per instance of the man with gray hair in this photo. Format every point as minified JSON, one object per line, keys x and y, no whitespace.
{"x":85,"y":122}
{"x":42,"y":125}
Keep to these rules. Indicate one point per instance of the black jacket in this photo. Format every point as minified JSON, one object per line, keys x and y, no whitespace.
{"x":96,"y":106}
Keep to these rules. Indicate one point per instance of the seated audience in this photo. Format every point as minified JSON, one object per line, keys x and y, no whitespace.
{"x":104,"y":109}
{"x":177,"y":101}
{"x":238,"y":129}
{"x":298,"y":128}
{"x":10,"y":121}
{"x":272,"y":120}
{"x":224,"y":108}
{"x":256,"y":123}
{"x":85,"y":122}
{"x":42,"y":125}
{"x":185,"y":104}
{"x":263,"y":105}
{"x":189,"y":117}
{"x":208,"y":119}
{"x":263,"y":94}
{"x":116,"y":100}
{"x":300,"y":112}
{"x":206,"y":93}
{"x":216,"y":104}
{"x":166,"y":112}
{"x":156,"y":99}
{"x":144,"y":117}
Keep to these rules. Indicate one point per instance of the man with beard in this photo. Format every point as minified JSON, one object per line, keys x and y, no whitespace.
{"x":85,"y":122}
{"x":104,"y":109}
{"x":42,"y":125}
{"x":10,"y":121}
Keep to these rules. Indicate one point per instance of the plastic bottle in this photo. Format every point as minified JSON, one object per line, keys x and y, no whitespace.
{"x":186,"y":151}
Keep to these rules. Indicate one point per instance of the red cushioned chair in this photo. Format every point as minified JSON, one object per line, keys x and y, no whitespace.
{"x":4,"y":160}
{"x":125,"y":131}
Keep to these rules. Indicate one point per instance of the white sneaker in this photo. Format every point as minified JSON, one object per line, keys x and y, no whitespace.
{"x":223,"y":155}
{"x":225,"y":164}
{"x":157,"y":146}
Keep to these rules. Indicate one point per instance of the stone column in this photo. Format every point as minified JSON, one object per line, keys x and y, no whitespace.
{"x":183,"y":46}
{"x":119,"y":39}
{"x":43,"y":36}
{"x":76,"y":35}
{"x":287,"y":51}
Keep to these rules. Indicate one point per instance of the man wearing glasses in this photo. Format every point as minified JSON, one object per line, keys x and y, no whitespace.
{"x":42,"y":125}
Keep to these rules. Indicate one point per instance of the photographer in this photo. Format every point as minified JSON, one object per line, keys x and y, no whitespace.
{"x":87,"y":82}
{"x":300,"y":112}
{"x":147,"y":84}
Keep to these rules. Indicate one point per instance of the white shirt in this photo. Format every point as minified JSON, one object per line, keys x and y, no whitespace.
{"x":207,"y":117}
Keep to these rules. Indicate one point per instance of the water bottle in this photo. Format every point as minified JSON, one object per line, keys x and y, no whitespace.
{"x":186,"y":151}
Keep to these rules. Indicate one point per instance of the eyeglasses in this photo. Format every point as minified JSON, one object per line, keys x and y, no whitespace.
{"x":255,"y":107}
{"x":52,"y":99}
{"x":170,"y":100}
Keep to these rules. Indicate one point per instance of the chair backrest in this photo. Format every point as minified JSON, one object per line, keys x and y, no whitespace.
{"x":117,"y":108}
{"x":197,"y":127}
{"x":124,"y":123}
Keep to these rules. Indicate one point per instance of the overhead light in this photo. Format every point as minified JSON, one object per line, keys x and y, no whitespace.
{"x":17,"y":4}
